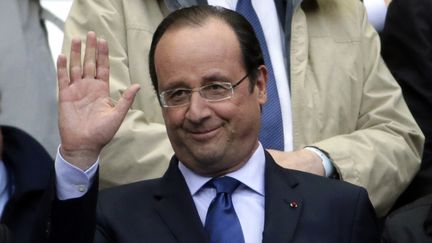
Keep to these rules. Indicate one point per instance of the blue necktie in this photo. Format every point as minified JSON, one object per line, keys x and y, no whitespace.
{"x":222,"y":223}
{"x":271,"y":133}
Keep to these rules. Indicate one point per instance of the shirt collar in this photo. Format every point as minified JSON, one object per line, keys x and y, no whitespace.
{"x":251,"y":174}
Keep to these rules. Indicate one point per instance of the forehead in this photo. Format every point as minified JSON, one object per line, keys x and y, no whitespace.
{"x":212,"y":45}
{"x":212,"y":35}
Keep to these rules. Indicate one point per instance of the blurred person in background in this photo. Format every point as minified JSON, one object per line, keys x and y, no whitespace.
{"x":27,"y":72}
{"x":407,"y":50}
{"x":24,"y":174}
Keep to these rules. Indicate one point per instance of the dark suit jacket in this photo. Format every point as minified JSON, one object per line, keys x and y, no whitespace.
{"x":162,"y":210}
{"x":411,"y":223}
{"x":28,"y":166}
{"x":407,"y":50}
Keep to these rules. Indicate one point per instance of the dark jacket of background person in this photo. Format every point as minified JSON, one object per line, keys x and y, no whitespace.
{"x":28,"y":166}
{"x":4,"y":234}
{"x":411,"y":223}
{"x":407,"y":50}
{"x":27,"y":73}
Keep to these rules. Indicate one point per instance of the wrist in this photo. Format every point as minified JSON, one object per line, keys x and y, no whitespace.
{"x":82,"y":158}
{"x":329,"y":169}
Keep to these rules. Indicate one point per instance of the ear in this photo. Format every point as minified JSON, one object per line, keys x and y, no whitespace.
{"x":261,"y":84}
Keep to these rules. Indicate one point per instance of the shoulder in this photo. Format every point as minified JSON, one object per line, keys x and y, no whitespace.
{"x":12,"y":133}
{"x":342,"y":8}
{"x":128,"y":203}
{"x":125,"y":193}
{"x":20,"y":147}
{"x":314,"y":188}
{"x":311,"y":185}
{"x":339,"y":19}
{"x":330,"y":188}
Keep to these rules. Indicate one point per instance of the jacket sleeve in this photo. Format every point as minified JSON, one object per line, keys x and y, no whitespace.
{"x":383,"y":152}
{"x":66,"y":221}
{"x":140,"y":149}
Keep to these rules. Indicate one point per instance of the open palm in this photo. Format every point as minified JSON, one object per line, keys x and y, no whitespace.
{"x":88,"y":119}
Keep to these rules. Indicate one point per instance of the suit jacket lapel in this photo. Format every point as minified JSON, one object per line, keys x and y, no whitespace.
{"x":176,"y":207}
{"x":283,"y":205}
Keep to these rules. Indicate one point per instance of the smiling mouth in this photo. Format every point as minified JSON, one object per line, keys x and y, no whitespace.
{"x":203,"y":135}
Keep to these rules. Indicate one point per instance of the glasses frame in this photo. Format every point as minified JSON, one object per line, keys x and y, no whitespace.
{"x":230,"y":86}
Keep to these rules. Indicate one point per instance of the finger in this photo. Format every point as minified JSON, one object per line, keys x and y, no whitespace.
{"x":62,"y":76}
{"x":75,"y":60}
{"x":102,"y":62}
{"x":127,"y":99}
{"x":89,"y":67}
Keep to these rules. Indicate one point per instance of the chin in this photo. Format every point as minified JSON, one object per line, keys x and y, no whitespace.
{"x":207,"y":156}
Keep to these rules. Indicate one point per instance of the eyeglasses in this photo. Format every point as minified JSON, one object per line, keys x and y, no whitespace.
{"x":213,"y":92}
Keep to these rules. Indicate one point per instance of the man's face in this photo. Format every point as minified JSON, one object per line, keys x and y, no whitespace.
{"x":210,"y":138}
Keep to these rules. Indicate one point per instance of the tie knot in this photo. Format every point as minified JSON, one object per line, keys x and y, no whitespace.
{"x":224,"y":184}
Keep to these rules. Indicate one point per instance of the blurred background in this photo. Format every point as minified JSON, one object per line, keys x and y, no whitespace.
{"x":60,"y":9}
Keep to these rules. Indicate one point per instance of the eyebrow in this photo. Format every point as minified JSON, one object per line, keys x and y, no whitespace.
{"x":207,"y":79}
{"x":176,"y":85}
{"x":215,"y":77}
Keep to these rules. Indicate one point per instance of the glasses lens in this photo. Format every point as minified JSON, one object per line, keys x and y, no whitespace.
{"x":212,"y":92}
{"x":176,"y":97}
{"x":216,"y":91}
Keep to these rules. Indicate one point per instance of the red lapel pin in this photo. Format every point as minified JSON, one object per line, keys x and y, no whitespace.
{"x":293,"y":204}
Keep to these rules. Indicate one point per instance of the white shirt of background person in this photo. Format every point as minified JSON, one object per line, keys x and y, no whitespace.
{"x":377,"y":11}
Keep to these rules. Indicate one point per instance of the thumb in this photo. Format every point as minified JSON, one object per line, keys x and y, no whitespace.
{"x":127,"y":99}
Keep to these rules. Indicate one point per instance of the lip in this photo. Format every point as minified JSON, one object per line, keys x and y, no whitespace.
{"x":203,"y":135}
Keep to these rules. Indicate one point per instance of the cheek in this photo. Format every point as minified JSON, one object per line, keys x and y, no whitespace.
{"x":226,"y":111}
{"x":243,"y":114}
{"x":173,"y":119}
{"x":249,"y":116}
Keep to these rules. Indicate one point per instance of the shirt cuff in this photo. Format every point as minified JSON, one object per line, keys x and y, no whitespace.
{"x":71,"y":181}
{"x":328,"y":166}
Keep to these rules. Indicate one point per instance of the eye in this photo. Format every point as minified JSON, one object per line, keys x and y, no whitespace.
{"x":217,"y":87}
{"x":176,"y":95}
{"x":216,"y":91}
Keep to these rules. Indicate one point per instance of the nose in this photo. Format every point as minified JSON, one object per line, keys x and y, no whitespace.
{"x":198,"y":109}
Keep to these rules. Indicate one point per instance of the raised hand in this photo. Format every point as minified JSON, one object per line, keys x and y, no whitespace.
{"x":88,"y":119}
